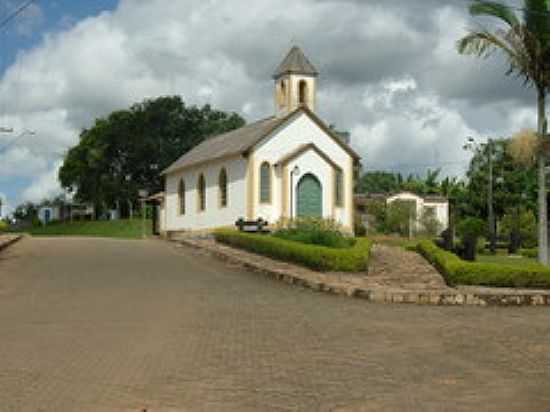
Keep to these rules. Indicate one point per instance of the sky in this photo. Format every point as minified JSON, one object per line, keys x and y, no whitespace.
{"x":389,"y":74}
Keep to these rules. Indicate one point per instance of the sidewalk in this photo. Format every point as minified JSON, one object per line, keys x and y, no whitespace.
{"x":395,"y":276}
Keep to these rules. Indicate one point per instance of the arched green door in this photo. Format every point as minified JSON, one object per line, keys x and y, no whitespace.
{"x":309,"y":197}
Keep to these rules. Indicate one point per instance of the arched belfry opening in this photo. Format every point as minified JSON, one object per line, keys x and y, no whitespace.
{"x":295,"y":83}
{"x":302,"y":92}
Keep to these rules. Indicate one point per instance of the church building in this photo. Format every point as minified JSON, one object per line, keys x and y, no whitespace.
{"x":288,"y":165}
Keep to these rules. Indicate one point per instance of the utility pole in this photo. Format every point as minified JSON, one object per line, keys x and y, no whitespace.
{"x":472,"y":145}
{"x":490,"y":208}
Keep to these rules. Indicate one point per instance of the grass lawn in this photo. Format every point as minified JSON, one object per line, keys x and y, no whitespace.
{"x":506,"y":260}
{"x":123,"y":229}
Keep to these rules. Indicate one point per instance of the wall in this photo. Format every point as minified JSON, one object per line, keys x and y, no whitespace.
{"x":300,"y":131}
{"x":213,"y":216}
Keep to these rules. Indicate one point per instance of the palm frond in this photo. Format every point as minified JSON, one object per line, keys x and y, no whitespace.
{"x":494,"y":9}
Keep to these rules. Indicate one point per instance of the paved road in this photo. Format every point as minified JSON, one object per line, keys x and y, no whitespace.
{"x":107,"y":325}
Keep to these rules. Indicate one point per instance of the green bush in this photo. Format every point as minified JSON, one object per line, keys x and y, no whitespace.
{"x":526,"y":223}
{"x":354,"y":259}
{"x":3,"y":226}
{"x":532,"y":253}
{"x":459,"y":272}
{"x":315,"y":231}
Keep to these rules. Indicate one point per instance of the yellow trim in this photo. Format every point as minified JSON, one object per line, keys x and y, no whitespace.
{"x":286,"y":192}
{"x":349,"y":192}
{"x":333,"y":204}
{"x":250,"y":192}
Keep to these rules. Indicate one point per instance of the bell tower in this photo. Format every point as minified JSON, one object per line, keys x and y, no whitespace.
{"x":295,"y":80}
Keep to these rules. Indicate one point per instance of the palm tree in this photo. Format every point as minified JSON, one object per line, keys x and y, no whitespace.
{"x":523,"y":40}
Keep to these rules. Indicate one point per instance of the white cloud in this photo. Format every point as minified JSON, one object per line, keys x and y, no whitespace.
{"x":43,"y":187}
{"x":389,"y":73}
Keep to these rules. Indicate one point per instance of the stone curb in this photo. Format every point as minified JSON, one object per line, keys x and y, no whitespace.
{"x":11,"y":240}
{"x":457,"y":297}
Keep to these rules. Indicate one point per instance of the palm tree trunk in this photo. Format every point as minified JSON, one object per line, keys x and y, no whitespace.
{"x":542,"y":201}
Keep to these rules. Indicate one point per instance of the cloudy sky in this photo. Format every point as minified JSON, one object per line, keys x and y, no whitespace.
{"x":390,"y":74}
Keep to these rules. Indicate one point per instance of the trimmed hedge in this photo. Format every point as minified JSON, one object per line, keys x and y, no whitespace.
{"x":459,"y":272}
{"x":353,"y":259}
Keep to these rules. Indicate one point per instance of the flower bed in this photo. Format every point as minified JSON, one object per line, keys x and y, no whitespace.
{"x":322,"y":258}
{"x":459,"y":272}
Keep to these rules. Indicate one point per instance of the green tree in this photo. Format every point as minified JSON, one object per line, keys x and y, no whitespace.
{"x":127,"y":150}
{"x":524,"y":43}
{"x":378,"y":182}
{"x":513,"y":184}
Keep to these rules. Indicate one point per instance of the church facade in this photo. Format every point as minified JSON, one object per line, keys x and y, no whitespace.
{"x":286,"y":166}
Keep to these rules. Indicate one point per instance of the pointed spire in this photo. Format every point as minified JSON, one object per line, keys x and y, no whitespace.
{"x":295,"y":62}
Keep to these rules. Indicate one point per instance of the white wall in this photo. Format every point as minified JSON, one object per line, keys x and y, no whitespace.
{"x":213,"y":216}
{"x":297,"y":133}
{"x":54,"y":213}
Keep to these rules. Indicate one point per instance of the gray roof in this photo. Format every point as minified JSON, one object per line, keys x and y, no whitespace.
{"x":240,"y":141}
{"x":295,"y":62}
{"x":235,"y":142}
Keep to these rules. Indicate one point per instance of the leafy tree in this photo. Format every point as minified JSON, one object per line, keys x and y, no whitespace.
{"x":127,"y":150}
{"x":379,"y":182}
{"x":513,"y":184}
{"x":524,"y":43}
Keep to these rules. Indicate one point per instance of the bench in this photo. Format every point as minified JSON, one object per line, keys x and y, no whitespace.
{"x":252,"y":226}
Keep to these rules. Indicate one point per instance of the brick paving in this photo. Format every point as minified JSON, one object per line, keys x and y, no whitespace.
{"x":109,"y":325}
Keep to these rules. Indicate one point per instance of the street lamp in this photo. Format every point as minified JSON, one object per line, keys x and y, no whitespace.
{"x":19,"y":136}
{"x":294,"y":172}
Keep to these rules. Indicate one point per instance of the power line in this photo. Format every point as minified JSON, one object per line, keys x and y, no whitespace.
{"x":16,"y":13}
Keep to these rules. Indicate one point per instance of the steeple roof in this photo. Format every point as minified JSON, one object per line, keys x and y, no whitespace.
{"x":295,"y":62}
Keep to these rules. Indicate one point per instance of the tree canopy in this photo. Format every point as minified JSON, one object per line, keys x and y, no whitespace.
{"x":127,"y":150}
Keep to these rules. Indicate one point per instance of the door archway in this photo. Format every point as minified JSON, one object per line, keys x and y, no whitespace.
{"x":309,"y":197}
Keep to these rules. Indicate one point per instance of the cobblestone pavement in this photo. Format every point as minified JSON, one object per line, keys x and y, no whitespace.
{"x":109,"y":325}
{"x":397,"y":268}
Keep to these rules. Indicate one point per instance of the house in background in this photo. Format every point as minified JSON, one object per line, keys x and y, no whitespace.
{"x":62,"y":211}
{"x":285,"y":166}
{"x":436,"y":206}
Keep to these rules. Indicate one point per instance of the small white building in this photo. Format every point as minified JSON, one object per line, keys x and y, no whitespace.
{"x":47,"y":214}
{"x":285,"y":166}
{"x":437,"y":206}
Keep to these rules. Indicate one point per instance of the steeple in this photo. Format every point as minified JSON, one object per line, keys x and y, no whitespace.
{"x":295,"y":83}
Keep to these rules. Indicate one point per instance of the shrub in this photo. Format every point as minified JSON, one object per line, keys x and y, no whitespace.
{"x":459,"y":272}
{"x":315,"y":231}
{"x":532,"y":253}
{"x":354,"y":259}
{"x":3,"y":226}
{"x":430,"y":223}
{"x":400,"y":215}
{"x":526,"y":223}
{"x":470,"y":229}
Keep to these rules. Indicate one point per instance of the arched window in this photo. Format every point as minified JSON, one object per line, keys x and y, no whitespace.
{"x":222,"y":183}
{"x":302,"y":89}
{"x":265,"y":183}
{"x":339,"y":188}
{"x":201,"y":193}
{"x":181,"y":196}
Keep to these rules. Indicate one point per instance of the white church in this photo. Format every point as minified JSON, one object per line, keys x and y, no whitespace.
{"x":285,"y":166}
